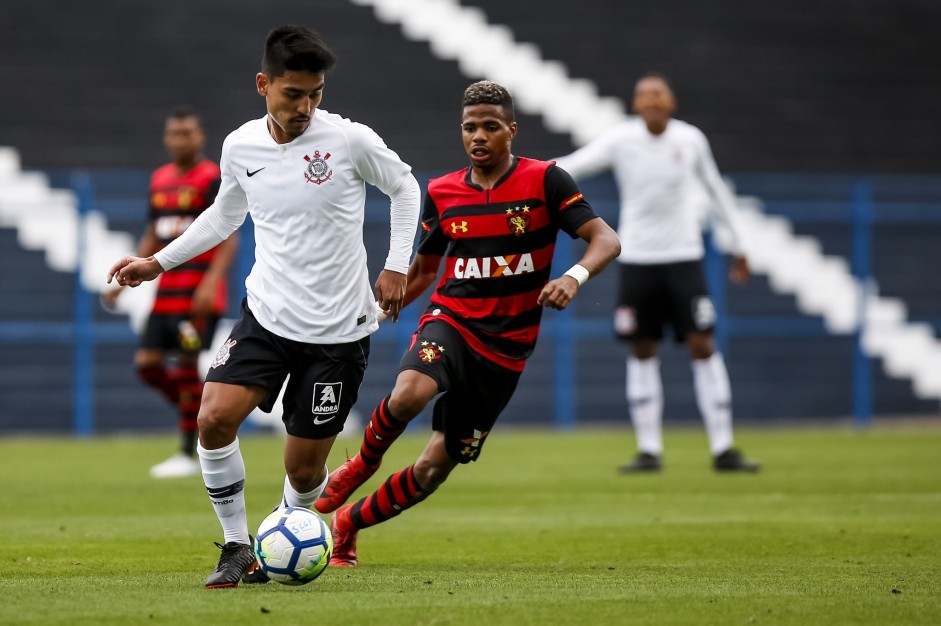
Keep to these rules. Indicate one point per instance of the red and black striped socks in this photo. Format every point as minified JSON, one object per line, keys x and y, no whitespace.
{"x":381,"y":431}
{"x":400,"y":491}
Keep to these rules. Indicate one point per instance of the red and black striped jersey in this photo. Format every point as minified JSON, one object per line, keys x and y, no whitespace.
{"x":497,"y":246}
{"x":176,"y":200}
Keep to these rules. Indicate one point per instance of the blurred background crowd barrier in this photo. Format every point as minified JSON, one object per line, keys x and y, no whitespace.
{"x":822,"y":115}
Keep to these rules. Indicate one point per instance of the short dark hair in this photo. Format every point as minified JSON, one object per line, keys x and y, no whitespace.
{"x":182,"y":112}
{"x":659,"y":76}
{"x":489,"y":92}
{"x":297,"y":48}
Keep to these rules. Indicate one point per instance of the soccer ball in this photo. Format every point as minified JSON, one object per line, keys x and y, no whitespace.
{"x":293,"y":546}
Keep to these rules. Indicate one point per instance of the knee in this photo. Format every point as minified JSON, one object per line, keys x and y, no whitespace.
{"x":150,"y":373}
{"x":406,"y":401}
{"x":306,"y":477}
{"x":700,"y":346}
{"x":431,"y":475}
{"x":214,"y":420}
{"x":643,"y":349}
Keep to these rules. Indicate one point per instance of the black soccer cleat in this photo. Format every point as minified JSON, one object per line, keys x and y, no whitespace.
{"x":643,"y":462}
{"x":732,"y":461}
{"x":235,"y":560}
{"x":254,"y":575}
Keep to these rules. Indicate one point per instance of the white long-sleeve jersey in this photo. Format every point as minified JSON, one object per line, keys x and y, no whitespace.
{"x":658,"y":178}
{"x":310,"y":281}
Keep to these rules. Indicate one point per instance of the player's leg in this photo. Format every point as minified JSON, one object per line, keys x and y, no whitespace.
{"x":150,"y":364}
{"x":423,"y":373}
{"x":412,"y":392}
{"x":645,"y":402}
{"x":476,"y":393}
{"x":400,"y":491}
{"x":714,"y":399}
{"x":188,"y":393}
{"x":694,"y":320}
{"x":192,"y":335}
{"x":639,"y":319}
{"x":224,"y":408}
{"x":248,"y":371}
{"x":150,"y":361}
{"x":322,"y":389}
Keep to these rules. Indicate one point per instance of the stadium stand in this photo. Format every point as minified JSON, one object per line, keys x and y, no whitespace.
{"x":750,"y":93}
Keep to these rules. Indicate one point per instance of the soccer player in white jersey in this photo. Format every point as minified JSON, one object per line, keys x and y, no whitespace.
{"x":658,"y":163}
{"x":300,"y":172}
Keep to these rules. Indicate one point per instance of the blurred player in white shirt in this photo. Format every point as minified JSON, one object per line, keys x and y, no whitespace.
{"x":660,"y":164}
{"x":301,"y":172}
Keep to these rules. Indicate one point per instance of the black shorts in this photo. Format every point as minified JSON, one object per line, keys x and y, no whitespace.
{"x":652,"y":296}
{"x":169,"y":332}
{"x":476,"y":390}
{"x":324,"y":378}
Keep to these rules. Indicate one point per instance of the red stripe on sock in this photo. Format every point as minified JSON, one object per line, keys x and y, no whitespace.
{"x":157,"y":377}
{"x":381,"y":431}
{"x":190,"y":395}
{"x":389,"y":500}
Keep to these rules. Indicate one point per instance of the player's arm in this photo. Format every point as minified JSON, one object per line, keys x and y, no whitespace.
{"x":204,"y":298}
{"x":212,"y":227}
{"x":603,"y":247}
{"x":403,"y":215}
{"x":593,"y":158}
{"x":422,"y":273}
{"x":381,"y":167}
{"x":569,"y":209}
{"x":723,"y":203}
{"x":147,"y":245}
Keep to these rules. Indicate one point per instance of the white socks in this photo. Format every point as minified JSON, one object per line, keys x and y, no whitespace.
{"x":224,"y":475}
{"x":645,"y":401}
{"x":714,"y":398}
{"x":292,"y":497}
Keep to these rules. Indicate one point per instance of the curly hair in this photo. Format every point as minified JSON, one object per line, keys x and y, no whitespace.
{"x":489,"y":92}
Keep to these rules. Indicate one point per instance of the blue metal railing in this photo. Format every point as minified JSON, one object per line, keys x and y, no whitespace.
{"x":858,"y":210}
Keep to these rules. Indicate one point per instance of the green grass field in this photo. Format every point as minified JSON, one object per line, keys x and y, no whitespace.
{"x":842,"y":527}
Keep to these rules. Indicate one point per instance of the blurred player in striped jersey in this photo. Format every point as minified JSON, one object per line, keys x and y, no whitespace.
{"x":495,"y":225}
{"x":659,"y":164}
{"x":190,"y":298}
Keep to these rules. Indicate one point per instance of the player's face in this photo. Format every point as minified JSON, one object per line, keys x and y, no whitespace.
{"x":184,"y":140}
{"x":654,"y":101}
{"x":488,"y":135}
{"x":291,"y":100}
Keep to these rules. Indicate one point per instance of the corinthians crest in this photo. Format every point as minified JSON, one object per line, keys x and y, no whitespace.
{"x":517,"y":220}
{"x":223,"y":354}
{"x":318,"y":170}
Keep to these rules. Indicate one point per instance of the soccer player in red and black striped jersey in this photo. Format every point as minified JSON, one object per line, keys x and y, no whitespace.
{"x":190,"y":298}
{"x":494,"y":224}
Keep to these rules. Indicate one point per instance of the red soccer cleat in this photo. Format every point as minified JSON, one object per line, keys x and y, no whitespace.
{"x":344,"y":539}
{"x":343,"y":482}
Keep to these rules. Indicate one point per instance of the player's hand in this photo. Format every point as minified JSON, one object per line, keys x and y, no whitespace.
{"x":739,"y":273}
{"x":380,"y":314}
{"x":131,"y":271}
{"x":109,"y":299}
{"x":558,"y":293}
{"x":204,"y":298}
{"x":390,"y":293}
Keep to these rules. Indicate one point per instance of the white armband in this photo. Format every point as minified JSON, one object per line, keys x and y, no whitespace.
{"x":579,"y":273}
{"x":380,"y":314}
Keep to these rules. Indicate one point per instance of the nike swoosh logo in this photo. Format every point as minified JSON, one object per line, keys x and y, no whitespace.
{"x":250,"y":174}
{"x":318,"y":421}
